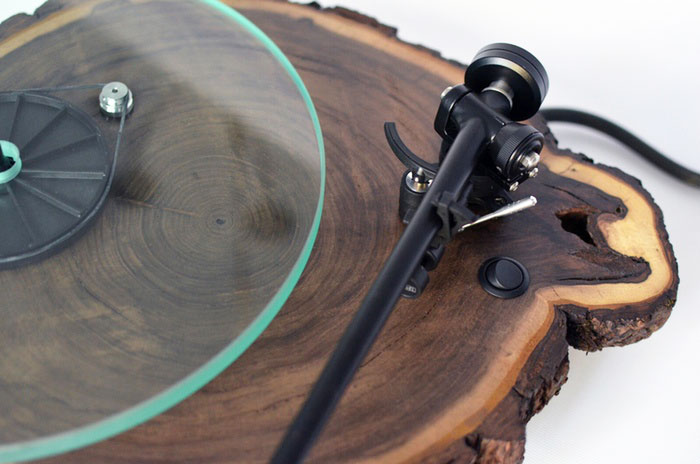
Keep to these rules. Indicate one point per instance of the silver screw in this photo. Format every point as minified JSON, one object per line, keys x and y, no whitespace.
{"x":533,"y":173}
{"x":530,"y":161}
{"x":514,"y":186}
{"x":417,"y":181}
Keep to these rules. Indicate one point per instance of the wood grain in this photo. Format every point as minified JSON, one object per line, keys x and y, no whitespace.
{"x":455,"y":375}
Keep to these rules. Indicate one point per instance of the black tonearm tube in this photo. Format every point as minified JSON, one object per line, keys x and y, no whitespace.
{"x":481,"y":141}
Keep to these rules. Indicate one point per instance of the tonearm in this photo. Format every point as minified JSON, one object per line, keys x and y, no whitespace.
{"x":486,"y":154}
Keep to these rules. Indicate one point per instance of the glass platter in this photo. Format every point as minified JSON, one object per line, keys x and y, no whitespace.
{"x":206,"y":224}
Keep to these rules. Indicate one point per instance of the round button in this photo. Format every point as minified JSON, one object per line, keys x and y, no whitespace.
{"x":504,"y":277}
{"x":504,"y":274}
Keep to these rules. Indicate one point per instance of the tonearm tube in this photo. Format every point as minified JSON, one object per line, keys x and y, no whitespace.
{"x":486,"y":154}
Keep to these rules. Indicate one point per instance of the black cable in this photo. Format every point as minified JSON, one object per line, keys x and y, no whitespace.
{"x":625,"y":137}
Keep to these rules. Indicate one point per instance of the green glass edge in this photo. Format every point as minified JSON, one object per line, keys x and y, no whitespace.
{"x":140,"y":413}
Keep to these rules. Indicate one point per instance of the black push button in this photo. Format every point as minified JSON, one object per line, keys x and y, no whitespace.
{"x":504,"y":277}
{"x":504,"y":274}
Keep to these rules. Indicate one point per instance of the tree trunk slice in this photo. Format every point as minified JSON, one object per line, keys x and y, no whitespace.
{"x":456,"y":374}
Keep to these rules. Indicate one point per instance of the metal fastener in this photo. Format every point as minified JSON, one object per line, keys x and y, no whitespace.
{"x":530,"y":161}
{"x":115,"y":98}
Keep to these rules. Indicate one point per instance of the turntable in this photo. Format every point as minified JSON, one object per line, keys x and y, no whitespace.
{"x":185,"y":241}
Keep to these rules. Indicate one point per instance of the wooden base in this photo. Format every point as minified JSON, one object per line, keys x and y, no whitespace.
{"x":456,"y":374}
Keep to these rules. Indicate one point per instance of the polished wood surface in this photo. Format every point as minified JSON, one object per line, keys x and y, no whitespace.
{"x":456,"y":374}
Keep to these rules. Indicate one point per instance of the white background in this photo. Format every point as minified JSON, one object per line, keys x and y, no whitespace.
{"x":638,"y":63}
